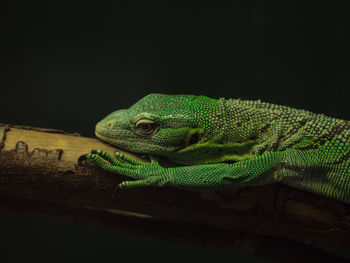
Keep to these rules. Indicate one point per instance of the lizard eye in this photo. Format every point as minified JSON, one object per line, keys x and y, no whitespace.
{"x":145,"y":126}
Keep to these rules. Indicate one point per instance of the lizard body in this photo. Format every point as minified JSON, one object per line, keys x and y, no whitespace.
{"x":222,"y":142}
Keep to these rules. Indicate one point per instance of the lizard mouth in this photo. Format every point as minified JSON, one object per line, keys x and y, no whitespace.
{"x":122,"y":142}
{"x":111,"y":138}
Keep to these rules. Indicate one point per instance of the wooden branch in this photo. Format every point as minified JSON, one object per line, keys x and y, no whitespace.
{"x":39,"y":173}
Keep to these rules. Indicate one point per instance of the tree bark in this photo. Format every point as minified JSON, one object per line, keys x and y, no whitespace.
{"x":39,"y":173}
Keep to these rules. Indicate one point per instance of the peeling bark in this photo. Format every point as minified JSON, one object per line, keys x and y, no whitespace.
{"x":39,"y":173}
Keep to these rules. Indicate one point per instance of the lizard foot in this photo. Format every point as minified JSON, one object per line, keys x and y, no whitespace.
{"x":145,"y":173}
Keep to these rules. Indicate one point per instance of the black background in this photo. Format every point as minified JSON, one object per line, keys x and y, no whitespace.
{"x":66,"y":65}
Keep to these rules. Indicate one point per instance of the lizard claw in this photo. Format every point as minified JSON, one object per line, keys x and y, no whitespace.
{"x":82,"y":158}
{"x":119,"y":187}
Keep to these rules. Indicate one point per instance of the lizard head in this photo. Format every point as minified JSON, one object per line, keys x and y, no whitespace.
{"x":184,"y":128}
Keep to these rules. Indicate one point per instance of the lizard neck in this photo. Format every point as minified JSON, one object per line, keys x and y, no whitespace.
{"x":238,"y":122}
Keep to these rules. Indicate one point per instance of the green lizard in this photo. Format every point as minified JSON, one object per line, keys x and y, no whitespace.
{"x":219,"y":143}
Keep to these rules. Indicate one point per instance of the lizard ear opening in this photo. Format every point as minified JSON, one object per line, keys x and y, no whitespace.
{"x":192,"y":138}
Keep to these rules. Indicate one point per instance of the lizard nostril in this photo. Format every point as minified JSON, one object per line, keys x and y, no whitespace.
{"x":109,"y":124}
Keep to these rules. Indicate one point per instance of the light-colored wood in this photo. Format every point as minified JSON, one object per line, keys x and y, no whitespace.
{"x":73,"y":146}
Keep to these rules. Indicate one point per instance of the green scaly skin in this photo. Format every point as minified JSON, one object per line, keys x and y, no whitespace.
{"x":221,"y":143}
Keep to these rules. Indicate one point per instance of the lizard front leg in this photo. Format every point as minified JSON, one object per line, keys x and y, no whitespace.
{"x":204,"y":177}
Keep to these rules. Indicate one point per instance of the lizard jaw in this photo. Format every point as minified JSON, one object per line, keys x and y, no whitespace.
{"x":132,"y":144}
